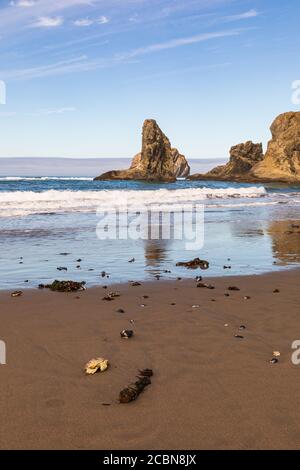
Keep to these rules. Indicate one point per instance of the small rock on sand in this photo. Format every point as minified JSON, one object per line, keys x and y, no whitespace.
{"x":17,"y":293}
{"x":126,"y":334}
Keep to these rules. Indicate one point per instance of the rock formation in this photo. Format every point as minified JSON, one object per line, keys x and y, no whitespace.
{"x":243,"y":158}
{"x":282,"y":160}
{"x":156,"y":162}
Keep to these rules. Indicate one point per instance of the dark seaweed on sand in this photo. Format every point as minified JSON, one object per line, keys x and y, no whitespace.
{"x":132,"y":392}
{"x":64,"y":286}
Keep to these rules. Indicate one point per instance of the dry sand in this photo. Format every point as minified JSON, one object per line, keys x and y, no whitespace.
{"x":209,"y":390}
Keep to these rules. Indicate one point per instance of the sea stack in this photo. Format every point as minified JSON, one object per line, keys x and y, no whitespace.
{"x":282,"y":160}
{"x":243,"y":157}
{"x":158,"y":161}
{"x":281,"y":163}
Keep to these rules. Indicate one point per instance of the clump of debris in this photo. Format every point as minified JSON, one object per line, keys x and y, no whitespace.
{"x":64,"y":286}
{"x":194,"y":264}
{"x":132,"y":392}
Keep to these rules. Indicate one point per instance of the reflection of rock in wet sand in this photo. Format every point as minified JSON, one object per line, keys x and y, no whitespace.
{"x":285,"y":240}
{"x":155,"y":252}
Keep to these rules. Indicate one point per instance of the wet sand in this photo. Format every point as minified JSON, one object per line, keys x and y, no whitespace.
{"x":210,"y":390}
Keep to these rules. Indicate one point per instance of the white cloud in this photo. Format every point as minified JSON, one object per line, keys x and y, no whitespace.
{"x":242,"y":16}
{"x":81,"y":22}
{"x":40,"y":112}
{"x":83,"y":64}
{"x":179,"y":42}
{"x":102,"y":20}
{"x":49,"y":112}
{"x":47,"y":22}
{"x":23,"y":3}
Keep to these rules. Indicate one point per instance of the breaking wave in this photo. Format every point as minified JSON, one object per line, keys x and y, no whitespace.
{"x":23,"y":203}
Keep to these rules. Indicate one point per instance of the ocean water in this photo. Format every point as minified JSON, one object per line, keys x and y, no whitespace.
{"x":48,"y":222}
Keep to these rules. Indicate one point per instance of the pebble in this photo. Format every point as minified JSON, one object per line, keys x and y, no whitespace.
{"x":207,"y":286}
{"x":234,"y":288}
{"x":274,"y":360}
{"x":17,"y":293}
{"x":126,"y":334}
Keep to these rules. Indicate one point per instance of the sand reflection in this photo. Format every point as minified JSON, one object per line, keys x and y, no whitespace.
{"x":285,"y":237}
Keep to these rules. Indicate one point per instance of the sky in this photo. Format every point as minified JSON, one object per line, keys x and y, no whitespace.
{"x":82,"y":75}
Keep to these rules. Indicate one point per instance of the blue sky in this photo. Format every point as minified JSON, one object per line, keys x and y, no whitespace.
{"x":82,"y":75}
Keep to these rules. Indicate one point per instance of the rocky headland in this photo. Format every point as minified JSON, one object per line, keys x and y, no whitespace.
{"x":280,"y":163}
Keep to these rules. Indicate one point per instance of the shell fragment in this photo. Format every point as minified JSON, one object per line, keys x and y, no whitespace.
{"x":96,"y":365}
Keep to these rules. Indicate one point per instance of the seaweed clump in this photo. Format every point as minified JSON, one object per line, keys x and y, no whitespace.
{"x":64,"y":286}
{"x":132,"y":392}
{"x":194,"y":264}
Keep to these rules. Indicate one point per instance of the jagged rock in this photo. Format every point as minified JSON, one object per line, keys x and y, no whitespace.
{"x":282,"y":160}
{"x":158,"y":161}
{"x":243,"y":158}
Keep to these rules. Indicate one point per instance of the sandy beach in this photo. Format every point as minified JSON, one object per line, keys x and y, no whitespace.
{"x":210,"y":390}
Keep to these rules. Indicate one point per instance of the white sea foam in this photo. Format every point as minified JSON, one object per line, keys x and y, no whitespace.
{"x":22,"y":203}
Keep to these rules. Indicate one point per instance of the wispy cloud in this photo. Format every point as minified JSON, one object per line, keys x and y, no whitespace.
{"x":242,"y":16}
{"x":83,"y":64}
{"x":23,"y":3}
{"x":39,"y":112}
{"x":22,"y":17}
{"x":49,"y":112}
{"x":44,"y":70}
{"x":179,"y":43}
{"x":47,"y":22}
{"x":84,"y":22}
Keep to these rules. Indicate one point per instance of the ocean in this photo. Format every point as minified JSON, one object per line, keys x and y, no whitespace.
{"x":50,"y":221}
